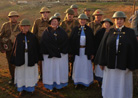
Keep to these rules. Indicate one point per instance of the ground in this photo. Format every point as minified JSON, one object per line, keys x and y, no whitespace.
{"x":31,"y":11}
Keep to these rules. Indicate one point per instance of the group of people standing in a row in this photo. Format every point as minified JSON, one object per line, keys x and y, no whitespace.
{"x":68,"y":48}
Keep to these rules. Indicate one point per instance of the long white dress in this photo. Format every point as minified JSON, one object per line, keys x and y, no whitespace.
{"x":55,"y":71}
{"x":26,"y":77}
{"x":117,"y":83}
{"x":82,"y":68}
{"x":98,"y":73}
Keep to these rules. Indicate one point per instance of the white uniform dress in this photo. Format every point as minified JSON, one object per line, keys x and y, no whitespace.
{"x":117,"y":83}
{"x":55,"y":71}
{"x":26,"y":77}
{"x":82,"y":67}
{"x":98,"y":73}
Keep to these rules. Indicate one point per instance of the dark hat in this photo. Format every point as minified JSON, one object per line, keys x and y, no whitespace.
{"x":119,"y":14}
{"x":87,"y":9}
{"x":53,"y":17}
{"x":69,"y":11}
{"x":107,"y":20}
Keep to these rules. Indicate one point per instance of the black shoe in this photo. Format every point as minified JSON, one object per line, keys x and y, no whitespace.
{"x":22,"y":93}
{"x":53,"y":90}
{"x":40,"y":79}
{"x":99,"y":84}
{"x":29,"y":93}
{"x":77,"y":86}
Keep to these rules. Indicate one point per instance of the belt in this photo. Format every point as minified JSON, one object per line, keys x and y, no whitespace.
{"x":82,"y":46}
{"x":26,"y":50}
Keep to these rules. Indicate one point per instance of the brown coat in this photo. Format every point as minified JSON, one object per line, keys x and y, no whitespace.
{"x":8,"y":34}
{"x":69,"y":25}
{"x":39,"y":26}
{"x":95,"y":26}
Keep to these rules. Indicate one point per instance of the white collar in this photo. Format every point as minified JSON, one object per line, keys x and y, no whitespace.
{"x":82,"y":26}
{"x":120,"y":28}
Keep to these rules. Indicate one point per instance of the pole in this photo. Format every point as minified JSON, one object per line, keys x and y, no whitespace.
{"x":134,"y":4}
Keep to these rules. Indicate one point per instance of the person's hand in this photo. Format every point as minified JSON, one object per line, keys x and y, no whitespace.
{"x":137,"y":37}
{"x":3,"y":51}
{"x":102,"y":67}
{"x":93,"y":66}
{"x":70,"y":55}
{"x":92,"y":57}
{"x":40,"y":63}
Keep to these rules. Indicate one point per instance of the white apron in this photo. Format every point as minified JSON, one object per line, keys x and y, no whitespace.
{"x":25,"y":75}
{"x":82,"y":67}
{"x":55,"y":70}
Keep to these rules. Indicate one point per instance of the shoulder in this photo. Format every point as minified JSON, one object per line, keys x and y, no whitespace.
{"x":92,"y":22}
{"x":31,"y":35}
{"x":6,"y":24}
{"x":88,"y":28}
{"x":102,"y":30}
{"x":61,"y":29}
{"x":63,"y":22}
{"x":37,"y":20}
{"x":19,"y":35}
{"x":112,"y":29}
{"x":128,"y":29}
{"x":76,"y":28}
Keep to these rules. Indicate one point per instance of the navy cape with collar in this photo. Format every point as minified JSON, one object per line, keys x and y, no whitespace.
{"x":75,"y":41}
{"x":18,"y":52}
{"x":127,"y":55}
{"x":54,"y":42}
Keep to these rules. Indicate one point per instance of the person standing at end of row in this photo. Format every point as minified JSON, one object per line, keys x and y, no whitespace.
{"x":54,"y":47}
{"x":25,"y":56}
{"x":8,"y":33}
{"x":82,"y":47}
{"x":134,"y":23}
{"x":117,"y":57}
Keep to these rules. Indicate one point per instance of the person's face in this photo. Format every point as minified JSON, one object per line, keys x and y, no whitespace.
{"x":106,"y":25}
{"x":82,"y":22}
{"x":25,"y":29}
{"x":75,"y":10}
{"x":45,"y":15}
{"x":13,"y":19}
{"x":98,"y":17}
{"x":87,"y":13}
{"x":70,"y":17}
{"x":119,"y":22}
{"x":54,"y":23}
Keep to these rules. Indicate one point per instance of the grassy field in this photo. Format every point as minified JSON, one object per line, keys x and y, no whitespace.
{"x":31,"y":11}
